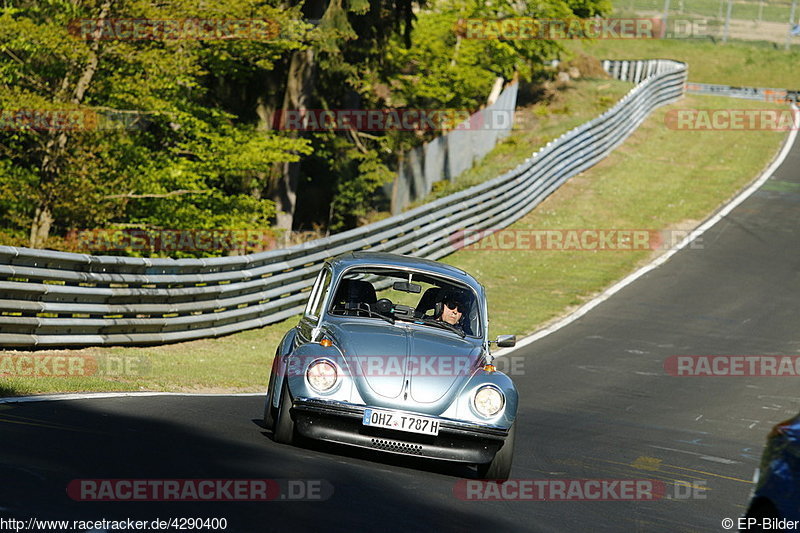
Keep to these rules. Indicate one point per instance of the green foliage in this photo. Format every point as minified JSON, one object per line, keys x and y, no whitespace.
{"x":171,"y":138}
{"x":444,"y":68}
{"x":179,"y":160}
{"x":432,"y":67}
{"x":363,"y":173}
{"x":375,"y":59}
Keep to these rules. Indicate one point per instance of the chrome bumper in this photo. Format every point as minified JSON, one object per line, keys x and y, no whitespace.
{"x":340,"y":422}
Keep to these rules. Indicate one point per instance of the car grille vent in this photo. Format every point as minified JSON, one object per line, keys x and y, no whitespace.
{"x":397,"y":447}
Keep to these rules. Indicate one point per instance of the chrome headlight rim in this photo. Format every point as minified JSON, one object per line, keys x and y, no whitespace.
{"x":336,"y":373}
{"x":499,"y":392}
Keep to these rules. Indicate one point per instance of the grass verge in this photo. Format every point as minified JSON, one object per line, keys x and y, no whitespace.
{"x":734,"y":63}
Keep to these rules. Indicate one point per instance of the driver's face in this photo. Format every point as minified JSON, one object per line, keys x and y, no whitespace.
{"x":450,"y":315}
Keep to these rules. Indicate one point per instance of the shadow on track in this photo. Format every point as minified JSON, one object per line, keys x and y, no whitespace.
{"x":48,"y":444}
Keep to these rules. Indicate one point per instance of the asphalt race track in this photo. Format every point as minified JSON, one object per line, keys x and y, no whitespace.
{"x":596,"y":403}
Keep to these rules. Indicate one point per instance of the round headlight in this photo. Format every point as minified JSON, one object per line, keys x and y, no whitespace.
{"x":489,"y":400}
{"x":321,"y":375}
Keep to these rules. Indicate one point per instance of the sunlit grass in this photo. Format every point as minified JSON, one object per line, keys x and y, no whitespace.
{"x":739,"y":63}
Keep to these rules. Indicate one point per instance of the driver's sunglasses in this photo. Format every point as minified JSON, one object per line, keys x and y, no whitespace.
{"x":452,"y":304}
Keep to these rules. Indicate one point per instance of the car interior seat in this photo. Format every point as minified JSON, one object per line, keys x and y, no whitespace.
{"x":427,"y":301}
{"x":351,"y":294}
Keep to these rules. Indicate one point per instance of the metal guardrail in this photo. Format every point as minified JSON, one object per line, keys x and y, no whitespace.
{"x":767,"y":94}
{"x":50,"y":298}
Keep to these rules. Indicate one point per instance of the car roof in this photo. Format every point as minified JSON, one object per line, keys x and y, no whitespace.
{"x":402,"y":261}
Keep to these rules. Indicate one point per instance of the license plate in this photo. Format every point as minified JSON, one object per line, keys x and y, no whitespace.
{"x":400,"y":422}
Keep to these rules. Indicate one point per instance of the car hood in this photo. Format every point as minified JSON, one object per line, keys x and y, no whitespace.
{"x":406,"y":366}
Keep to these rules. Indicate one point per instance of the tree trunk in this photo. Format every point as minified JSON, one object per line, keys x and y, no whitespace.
{"x":299,"y":85}
{"x":40,"y":227}
{"x":268,"y":104}
{"x":50,"y":169}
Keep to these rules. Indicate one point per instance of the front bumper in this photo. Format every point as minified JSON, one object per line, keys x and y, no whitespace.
{"x":340,"y":422}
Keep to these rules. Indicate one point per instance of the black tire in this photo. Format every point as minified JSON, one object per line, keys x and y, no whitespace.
{"x":500,"y":467}
{"x":760,"y":509}
{"x":284,"y":431}
{"x":269,"y":411}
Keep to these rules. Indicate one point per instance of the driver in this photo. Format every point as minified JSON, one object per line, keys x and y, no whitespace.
{"x":450,"y":307}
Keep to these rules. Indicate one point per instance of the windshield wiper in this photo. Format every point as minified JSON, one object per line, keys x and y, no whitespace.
{"x":445,"y":325}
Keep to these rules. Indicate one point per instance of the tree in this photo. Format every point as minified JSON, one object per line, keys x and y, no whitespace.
{"x":349,"y":42}
{"x":386,"y":57}
{"x":176,"y":133}
{"x":175,"y":138}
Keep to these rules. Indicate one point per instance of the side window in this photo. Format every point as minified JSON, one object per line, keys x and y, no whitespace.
{"x":314,"y":307}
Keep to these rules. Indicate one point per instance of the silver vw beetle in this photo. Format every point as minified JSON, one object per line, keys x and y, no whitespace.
{"x":392,"y":354}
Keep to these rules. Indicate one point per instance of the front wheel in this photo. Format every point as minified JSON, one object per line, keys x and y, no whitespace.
{"x":284,"y":425}
{"x":500,"y":467}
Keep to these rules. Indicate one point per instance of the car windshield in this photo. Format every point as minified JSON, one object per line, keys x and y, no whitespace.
{"x":400,"y":295}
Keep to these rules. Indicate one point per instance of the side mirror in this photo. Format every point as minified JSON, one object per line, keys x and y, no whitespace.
{"x":506,"y":341}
